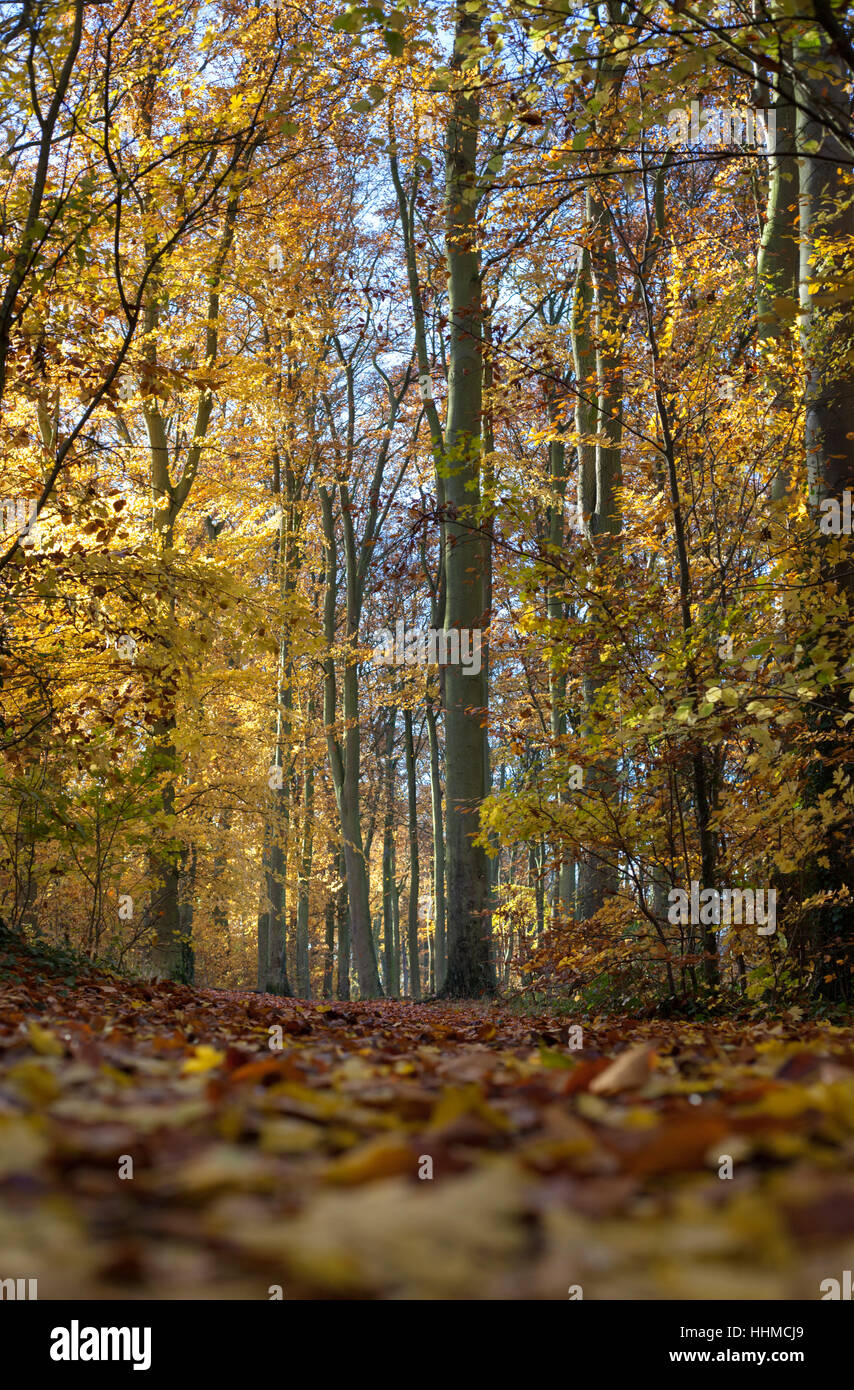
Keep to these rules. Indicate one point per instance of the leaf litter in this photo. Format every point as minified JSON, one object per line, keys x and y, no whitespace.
{"x":308,"y":1167}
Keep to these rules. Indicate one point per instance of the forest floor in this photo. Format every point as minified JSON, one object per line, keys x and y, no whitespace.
{"x":306,"y":1167}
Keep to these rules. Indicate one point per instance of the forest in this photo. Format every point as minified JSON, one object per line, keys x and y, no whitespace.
{"x":427,"y":649}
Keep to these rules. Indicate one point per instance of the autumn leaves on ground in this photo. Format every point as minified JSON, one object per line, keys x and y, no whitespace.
{"x":556,"y":1172}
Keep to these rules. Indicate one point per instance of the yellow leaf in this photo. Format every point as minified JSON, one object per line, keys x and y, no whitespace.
{"x":456,"y":1101}
{"x":205,"y":1058}
{"x":35,"y":1082}
{"x":289,"y":1136}
{"x":44,"y":1042}
{"x":21,"y":1147}
{"x":381,"y":1158}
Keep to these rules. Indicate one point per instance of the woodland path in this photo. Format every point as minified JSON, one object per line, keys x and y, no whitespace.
{"x":306,"y":1168}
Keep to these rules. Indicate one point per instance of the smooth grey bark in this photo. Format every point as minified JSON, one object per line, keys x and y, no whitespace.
{"x":344,"y":761}
{"x":303,"y":974}
{"x":400,"y":953}
{"x":272,"y":917}
{"x":778,"y":260}
{"x":487,"y":524}
{"x":777,"y":265}
{"x":391,"y":964}
{"x":329,"y":948}
{"x":414,"y":868}
{"x":288,"y":488}
{"x":219,"y":911}
{"x":536,"y":880}
{"x":343,"y":913}
{"x":465,"y":542}
{"x":189,"y":867}
{"x":439,"y":947}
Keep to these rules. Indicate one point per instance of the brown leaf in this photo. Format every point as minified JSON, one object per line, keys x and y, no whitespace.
{"x":628,"y":1071}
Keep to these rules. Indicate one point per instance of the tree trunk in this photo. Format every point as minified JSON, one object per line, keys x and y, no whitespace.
{"x":414,"y":872}
{"x":391,"y":964}
{"x":827,"y":336}
{"x":399,"y":953}
{"x":272,"y":919}
{"x":168,"y":954}
{"x":439,"y":950}
{"x":344,"y":759}
{"x":303,"y":974}
{"x":329,"y":952}
{"x":469,"y":972}
{"x":597,"y":348}
{"x":343,"y":932}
